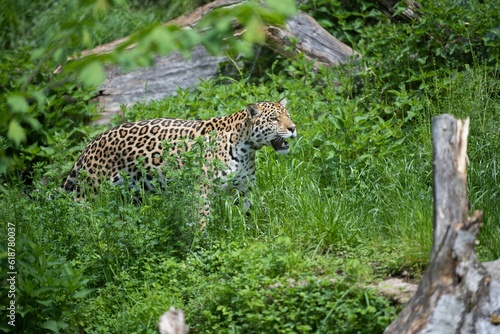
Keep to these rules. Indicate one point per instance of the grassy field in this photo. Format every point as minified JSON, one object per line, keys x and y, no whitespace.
{"x":350,"y":204}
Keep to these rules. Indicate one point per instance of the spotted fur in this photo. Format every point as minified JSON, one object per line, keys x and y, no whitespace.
{"x":237,"y":136}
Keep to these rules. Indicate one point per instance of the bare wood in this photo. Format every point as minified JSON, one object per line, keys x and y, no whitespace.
{"x":173,"y":322}
{"x":493,"y":268}
{"x":195,"y":16}
{"x":449,"y":150}
{"x":457,"y":294}
{"x":164,"y":78}
{"x":313,"y":41}
{"x":301,"y":34}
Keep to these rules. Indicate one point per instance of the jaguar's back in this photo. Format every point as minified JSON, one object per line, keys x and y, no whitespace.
{"x":237,"y":137}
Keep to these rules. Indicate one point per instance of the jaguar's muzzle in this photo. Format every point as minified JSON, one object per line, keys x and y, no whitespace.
{"x":280,"y":145}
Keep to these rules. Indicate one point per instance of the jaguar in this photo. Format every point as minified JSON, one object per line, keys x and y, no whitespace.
{"x":115,"y":154}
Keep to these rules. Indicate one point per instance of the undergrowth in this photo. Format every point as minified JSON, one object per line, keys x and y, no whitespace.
{"x":350,"y":204}
{"x":322,"y":218}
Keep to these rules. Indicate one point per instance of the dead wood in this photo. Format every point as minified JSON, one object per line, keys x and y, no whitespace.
{"x":457,"y":293}
{"x":300,"y":35}
{"x":164,"y":78}
{"x":312,"y":40}
{"x":173,"y":322}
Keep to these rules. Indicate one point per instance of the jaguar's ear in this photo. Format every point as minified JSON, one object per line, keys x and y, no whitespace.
{"x":283,"y":102}
{"x":252,"y":110}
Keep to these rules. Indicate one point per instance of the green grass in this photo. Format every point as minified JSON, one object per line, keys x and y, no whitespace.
{"x":349,"y":205}
{"x":39,"y":21}
{"x":351,"y":202}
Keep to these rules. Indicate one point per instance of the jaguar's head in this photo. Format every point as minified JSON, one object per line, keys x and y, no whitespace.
{"x":272,"y":125}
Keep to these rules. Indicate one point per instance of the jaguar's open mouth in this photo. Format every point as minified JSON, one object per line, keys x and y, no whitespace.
{"x":280,"y":145}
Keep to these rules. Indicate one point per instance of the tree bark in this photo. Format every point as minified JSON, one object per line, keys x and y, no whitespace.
{"x":457,"y":293}
{"x":317,"y":44}
{"x":164,"y":78}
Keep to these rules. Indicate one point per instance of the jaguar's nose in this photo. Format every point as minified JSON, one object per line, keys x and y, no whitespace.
{"x":292,"y":129}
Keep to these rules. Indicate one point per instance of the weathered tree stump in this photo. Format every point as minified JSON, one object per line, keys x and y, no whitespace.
{"x":457,"y":294}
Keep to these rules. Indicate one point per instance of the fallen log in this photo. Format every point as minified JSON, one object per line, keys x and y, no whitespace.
{"x":164,"y":78}
{"x":457,"y":294}
{"x":300,"y":35}
{"x":303,"y":35}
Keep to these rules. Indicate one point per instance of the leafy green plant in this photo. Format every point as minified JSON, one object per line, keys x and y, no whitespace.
{"x":225,"y":288}
{"x":308,"y":306}
{"x":350,"y":203}
{"x":48,"y":289}
{"x":35,"y":99}
{"x":346,"y":20}
{"x":448,"y":36}
{"x":260,"y":293}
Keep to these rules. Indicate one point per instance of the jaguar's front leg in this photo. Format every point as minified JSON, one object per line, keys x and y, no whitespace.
{"x":243,"y":185}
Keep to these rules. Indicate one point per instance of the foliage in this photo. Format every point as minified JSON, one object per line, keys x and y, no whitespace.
{"x":449,"y":36}
{"x":350,"y":204}
{"x":37,"y":98}
{"x":322,"y":216}
{"x":258,"y":295}
{"x":398,"y":57}
{"x":312,"y":306}
{"x":48,"y":288}
{"x":346,"y":20}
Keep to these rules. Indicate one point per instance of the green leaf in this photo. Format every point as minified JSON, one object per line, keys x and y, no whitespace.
{"x":18,"y":103}
{"x":284,"y":7}
{"x":93,"y":74}
{"x":51,"y":325}
{"x":83,"y":293}
{"x":86,"y":38}
{"x":16,"y":132}
{"x":33,"y":122}
{"x":100,"y":6}
{"x":54,"y":326}
{"x":162,"y":39}
{"x":59,"y":55}
{"x":48,"y":150}
{"x":39,"y":96}
{"x":47,"y":302}
{"x":255,"y":31}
